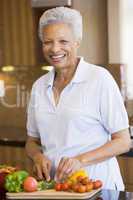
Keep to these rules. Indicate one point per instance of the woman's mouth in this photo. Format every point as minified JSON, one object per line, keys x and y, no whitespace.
{"x":57,"y":58}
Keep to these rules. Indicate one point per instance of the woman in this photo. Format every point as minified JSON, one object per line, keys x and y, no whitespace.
{"x":76,"y":115}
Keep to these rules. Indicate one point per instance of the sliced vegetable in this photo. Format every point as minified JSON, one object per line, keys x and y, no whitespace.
{"x":42,"y":185}
{"x":46,"y":185}
{"x":50,"y":184}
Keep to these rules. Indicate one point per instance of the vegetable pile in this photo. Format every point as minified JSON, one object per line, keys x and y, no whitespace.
{"x":15,"y":180}
{"x":4,"y":171}
{"x":21,"y":181}
{"x":78,"y":182}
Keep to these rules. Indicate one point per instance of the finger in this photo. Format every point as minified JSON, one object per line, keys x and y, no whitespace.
{"x":73,"y":169}
{"x":65,"y":174}
{"x":62,"y":162}
{"x":68,"y":169}
{"x":60,"y":166}
{"x":46,"y":172}
{"x":65,"y":170}
{"x":34,"y":169}
{"x":49,"y":167}
{"x":39,"y":172}
{"x":34,"y":172}
{"x":71,"y":173}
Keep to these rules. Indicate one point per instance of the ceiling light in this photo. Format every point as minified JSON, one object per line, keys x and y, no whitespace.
{"x":8,"y":68}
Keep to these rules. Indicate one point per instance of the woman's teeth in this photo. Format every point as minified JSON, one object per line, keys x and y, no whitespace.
{"x":56,"y":57}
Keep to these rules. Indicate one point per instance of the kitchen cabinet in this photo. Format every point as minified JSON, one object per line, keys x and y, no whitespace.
{"x":16,"y":33}
{"x":126,"y":167}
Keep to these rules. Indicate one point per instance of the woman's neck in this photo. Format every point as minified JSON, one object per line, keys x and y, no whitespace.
{"x":66,"y":74}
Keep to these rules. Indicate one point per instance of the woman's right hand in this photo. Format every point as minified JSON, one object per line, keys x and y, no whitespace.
{"x":42,"y":166}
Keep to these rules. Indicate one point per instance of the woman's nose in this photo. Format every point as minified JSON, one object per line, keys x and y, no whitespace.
{"x":55,"y":47}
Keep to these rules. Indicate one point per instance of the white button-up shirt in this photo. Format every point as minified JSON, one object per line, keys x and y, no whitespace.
{"x":90,"y":109}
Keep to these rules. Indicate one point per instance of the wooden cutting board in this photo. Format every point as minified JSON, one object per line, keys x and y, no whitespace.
{"x":51,"y":194}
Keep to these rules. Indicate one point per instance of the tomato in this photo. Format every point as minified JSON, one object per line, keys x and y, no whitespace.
{"x":80,"y":178}
{"x":97,"y":184}
{"x":82,"y":189}
{"x":89,"y":187}
{"x":30,"y":184}
{"x":58,"y":186}
{"x":65,"y":186}
{"x":75,"y":187}
{"x":69,"y":184}
{"x":85,"y":181}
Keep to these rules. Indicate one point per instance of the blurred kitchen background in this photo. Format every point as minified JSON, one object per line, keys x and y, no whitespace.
{"x":107,"y":41}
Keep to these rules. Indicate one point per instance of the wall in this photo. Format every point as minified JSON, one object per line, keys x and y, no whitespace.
{"x":17,"y":47}
{"x":94,"y":45}
{"x":16,"y":33}
{"x":119,"y":48}
{"x":17,"y":86}
{"x":114,"y":31}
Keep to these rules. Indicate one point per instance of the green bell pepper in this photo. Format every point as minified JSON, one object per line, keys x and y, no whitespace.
{"x":14,"y":181}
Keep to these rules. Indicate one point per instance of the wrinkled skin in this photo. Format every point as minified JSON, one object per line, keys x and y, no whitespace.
{"x":42,"y":167}
{"x":66,"y":167}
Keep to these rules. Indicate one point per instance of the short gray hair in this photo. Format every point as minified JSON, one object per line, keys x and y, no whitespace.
{"x":62,"y":14}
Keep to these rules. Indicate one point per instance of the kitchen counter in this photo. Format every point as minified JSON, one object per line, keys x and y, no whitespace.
{"x":12,"y":136}
{"x":103,"y":195}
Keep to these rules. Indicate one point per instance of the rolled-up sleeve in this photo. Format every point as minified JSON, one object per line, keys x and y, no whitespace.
{"x":113,"y":113}
{"x":32,"y":129}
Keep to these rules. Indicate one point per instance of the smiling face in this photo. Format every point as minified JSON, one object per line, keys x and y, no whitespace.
{"x":59,"y":45}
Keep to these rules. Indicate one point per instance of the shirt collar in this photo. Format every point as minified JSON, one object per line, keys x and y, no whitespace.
{"x":79,"y":76}
{"x":50,"y":78}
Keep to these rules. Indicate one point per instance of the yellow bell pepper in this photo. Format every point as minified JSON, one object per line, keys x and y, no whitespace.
{"x":73,"y":177}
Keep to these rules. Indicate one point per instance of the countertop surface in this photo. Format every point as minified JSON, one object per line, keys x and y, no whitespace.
{"x":103,"y":195}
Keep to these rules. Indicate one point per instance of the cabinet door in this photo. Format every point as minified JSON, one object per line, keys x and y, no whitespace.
{"x":126,"y":167}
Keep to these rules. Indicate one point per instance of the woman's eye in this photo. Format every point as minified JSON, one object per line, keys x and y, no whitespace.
{"x":64,"y":41}
{"x":46,"y":42}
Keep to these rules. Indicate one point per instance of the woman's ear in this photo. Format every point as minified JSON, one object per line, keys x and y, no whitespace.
{"x":78,"y":43}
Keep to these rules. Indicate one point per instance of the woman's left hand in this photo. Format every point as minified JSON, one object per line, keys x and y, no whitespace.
{"x":67,"y":166}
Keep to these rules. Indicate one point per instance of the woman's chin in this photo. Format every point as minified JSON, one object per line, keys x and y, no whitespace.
{"x":59,"y":65}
